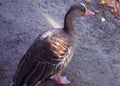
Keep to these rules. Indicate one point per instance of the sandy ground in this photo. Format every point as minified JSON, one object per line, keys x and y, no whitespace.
{"x":96,"y":61}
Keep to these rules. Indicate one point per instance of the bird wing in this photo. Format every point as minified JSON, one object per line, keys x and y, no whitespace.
{"x":42,"y":59}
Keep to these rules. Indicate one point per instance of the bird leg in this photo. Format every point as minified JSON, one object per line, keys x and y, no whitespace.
{"x":60,"y":79}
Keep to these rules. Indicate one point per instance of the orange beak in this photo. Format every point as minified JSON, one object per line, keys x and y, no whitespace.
{"x":88,"y":13}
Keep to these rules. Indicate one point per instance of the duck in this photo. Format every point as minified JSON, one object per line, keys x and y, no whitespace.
{"x":51,"y":52}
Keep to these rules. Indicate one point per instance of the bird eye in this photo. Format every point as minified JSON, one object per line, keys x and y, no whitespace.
{"x":82,"y":10}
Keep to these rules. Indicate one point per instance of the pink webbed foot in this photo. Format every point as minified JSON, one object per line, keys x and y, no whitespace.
{"x":60,"y":79}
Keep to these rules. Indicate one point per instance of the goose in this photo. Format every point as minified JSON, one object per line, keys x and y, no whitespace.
{"x":50,"y":53}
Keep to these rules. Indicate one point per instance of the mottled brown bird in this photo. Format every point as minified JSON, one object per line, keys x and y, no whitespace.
{"x":50,"y":53}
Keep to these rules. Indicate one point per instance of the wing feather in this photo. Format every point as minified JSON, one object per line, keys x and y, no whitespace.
{"x":45,"y":57}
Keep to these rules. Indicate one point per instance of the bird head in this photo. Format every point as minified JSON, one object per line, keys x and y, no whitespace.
{"x":80,"y":10}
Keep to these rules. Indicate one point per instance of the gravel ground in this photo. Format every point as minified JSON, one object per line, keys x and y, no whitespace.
{"x":96,"y":61}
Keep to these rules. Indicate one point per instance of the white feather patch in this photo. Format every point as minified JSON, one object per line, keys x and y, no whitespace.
{"x":83,"y":4}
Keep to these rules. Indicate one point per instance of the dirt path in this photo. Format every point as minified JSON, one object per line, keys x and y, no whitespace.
{"x":97,"y":59}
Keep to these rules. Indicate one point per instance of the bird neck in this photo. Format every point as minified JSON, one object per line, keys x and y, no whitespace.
{"x":68,"y":23}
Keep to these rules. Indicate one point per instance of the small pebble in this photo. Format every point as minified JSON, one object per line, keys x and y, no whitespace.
{"x":88,"y":1}
{"x":112,"y":10}
{"x":103,"y":19}
{"x":103,"y":2}
{"x":97,"y":12}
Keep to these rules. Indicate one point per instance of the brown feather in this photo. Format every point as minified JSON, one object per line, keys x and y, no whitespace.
{"x":59,"y":46}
